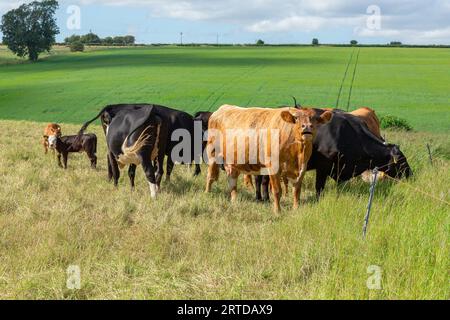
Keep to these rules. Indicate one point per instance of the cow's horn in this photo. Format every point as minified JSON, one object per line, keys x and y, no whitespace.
{"x":296,"y":105}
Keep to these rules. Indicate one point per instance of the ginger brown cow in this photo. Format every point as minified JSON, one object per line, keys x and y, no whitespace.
{"x":369,"y":118}
{"x":51,"y":132}
{"x":294,"y":128}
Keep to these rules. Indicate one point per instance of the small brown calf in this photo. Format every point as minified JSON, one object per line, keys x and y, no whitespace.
{"x":51,"y":131}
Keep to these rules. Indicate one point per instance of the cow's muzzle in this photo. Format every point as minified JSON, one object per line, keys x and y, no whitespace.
{"x":52,"y":141}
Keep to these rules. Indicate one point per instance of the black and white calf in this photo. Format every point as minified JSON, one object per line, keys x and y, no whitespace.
{"x":69,"y":144}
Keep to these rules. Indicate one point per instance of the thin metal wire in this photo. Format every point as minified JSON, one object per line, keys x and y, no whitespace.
{"x":343,"y":79}
{"x":353,"y":80}
{"x":420,"y":191}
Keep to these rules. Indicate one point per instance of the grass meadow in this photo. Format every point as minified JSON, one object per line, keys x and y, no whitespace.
{"x":187,"y":244}
{"x":190,"y":245}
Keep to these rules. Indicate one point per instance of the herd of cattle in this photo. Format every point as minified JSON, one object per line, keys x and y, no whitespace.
{"x":335,"y":143}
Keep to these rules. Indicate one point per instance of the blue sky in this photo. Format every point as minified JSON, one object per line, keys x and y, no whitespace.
{"x":245,"y":21}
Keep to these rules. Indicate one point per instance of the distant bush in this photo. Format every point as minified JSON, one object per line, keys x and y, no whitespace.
{"x":393,"y":122}
{"x":315,"y":42}
{"x":76,"y":47}
{"x":353,"y":42}
{"x":259,"y":42}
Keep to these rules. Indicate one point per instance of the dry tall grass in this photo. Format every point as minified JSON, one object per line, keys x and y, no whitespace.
{"x":187,"y":244}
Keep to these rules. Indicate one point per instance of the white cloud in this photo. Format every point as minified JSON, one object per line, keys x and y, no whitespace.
{"x":6,"y":5}
{"x":410,"y":36}
{"x":286,"y":24}
{"x":303,"y":24}
{"x":405,"y":19}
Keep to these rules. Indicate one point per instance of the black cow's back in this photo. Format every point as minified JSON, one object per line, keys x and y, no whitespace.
{"x":122,"y":118}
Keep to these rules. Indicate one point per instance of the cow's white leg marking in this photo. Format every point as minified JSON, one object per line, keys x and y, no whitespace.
{"x":153,"y":189}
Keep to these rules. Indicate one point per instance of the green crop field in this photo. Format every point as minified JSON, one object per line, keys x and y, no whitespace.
{"x":192,"y":245}
{"x":410,"y":83}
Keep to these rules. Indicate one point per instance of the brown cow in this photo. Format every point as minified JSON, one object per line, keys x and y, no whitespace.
{"x":366,"y":114}
{"x":51,"y":132}
{"x":295,"y":128}
{"x":369,"y":118}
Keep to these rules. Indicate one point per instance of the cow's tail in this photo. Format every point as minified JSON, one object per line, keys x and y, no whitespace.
{"x":77,"y":140}
{"x":129,"y":155}
{"x":148,"y":136}
{"x":85,"y":125}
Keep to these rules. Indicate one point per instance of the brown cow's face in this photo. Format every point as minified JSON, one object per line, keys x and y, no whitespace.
{"x":306,"y":122}
{"x":52,"y":133}
{"x":52,"y":141}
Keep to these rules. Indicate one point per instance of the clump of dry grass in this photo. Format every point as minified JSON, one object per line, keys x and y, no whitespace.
{"x":187,"y":244}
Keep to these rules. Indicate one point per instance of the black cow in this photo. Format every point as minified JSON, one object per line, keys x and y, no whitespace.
{"x":126,"y":117}
{"x":345,"y":148}
{"x":180,"y":120}
{"x":176,"y":120}
{"x":68,"y":144}
{"x":203,"y":117}
{"x":134,"y":135}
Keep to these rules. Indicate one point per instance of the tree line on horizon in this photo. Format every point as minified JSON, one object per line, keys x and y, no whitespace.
{"x":76,"y":43}
{"x":93,"y":39}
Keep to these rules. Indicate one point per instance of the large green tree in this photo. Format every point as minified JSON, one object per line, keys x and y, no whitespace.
{"x":30,"y":29}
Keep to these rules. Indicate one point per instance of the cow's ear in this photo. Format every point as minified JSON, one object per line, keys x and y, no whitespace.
{"x":45,"y":136}
{"x":325,"y":117}
{"x":288,"y":117}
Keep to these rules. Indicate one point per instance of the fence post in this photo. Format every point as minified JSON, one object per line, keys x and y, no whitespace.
{"x":369,"y":205}
{"x":429,"y":154}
